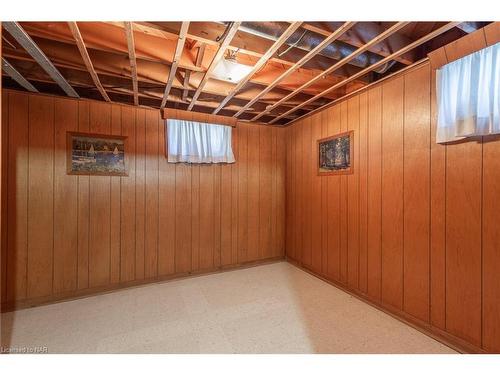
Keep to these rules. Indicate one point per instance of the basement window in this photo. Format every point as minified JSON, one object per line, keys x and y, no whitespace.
{"x":198,"y":142}
{"x":468,"y":94}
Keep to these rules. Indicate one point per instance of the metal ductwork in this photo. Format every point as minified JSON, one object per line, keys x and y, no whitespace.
{"x":307,"y":40}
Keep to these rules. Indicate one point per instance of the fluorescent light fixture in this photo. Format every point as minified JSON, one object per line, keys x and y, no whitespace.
{"x":231,"y":71}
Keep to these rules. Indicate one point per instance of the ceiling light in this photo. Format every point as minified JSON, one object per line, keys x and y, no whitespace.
{"x":231,"y":71}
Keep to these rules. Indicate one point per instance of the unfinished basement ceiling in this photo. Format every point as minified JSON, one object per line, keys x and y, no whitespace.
{"x":295,"y":67}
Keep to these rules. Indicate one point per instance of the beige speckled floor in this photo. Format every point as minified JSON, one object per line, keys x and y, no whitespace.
{"x":274,"y":308}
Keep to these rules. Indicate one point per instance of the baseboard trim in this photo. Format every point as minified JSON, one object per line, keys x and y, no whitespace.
{"x":89,"y":292}
{"x":435,"y":333}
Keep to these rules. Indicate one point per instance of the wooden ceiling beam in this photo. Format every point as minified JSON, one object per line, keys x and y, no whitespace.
{"x":403,"y":50}
{"x":260,"y":63}
{"x":230,"y":32}
{"x":86,"y":59}
{"x":67,"y":50}
{"x":397,"y":26}
{"x":148,"y":76}
{"x":143,"y":94}
{"x":244,"y":43}
{"x":328,"y":40}
{"x":129,"y":34}
{"x":39,"y":56}
{"x":187,"y":74}
{"x":16,"y":76}
{"x":175,"y":61}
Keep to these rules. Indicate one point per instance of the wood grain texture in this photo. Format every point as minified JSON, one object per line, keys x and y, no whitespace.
{"x":427,"y":210}
{"x":99,"y":206}
{"x":353,"y":198}
{"x":17,"y":196}
{"x":491,"y":244}
{"x":416,"y":192}
{"x":392,"y":192}
{"x":40,"y":259}
{"x":374,"y":230}
{"x":4,"y":155}
{"x":69,"y":234}
{"x":65,"y":201}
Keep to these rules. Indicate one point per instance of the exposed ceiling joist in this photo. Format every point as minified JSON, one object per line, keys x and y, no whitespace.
{"x":86,"y":59}
{"x":187,"y":74}
{"x":329,"y":39}
{"x":260,"y":63}
{"x":39,"y":56}
{"x":362,"y":33}
{"x":175,"y":62}
{"x":16,"y":76}
{"x":403,"y":50}
{"x":397,"y":26}
{"x":231,"y":31}
{"x":129,"y":33}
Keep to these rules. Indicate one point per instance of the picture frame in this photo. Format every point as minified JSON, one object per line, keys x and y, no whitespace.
{"x":335,"y":154}
{"x":95,"y":154}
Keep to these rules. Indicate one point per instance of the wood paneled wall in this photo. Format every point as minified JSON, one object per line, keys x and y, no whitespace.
{"x":415,"y":228}
{"x":69,"y":235}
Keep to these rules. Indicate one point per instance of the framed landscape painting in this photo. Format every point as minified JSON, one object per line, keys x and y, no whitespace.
{"x":335,"y":154}
{"x":96,"y":154}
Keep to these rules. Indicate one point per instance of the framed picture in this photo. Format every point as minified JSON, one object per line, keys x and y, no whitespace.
{"x":96,"y":154}
{"x":335,"y":154}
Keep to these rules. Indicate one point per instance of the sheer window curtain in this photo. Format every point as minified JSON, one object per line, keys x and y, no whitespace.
{"x":197,"y":142}
{"x":468,"y":94}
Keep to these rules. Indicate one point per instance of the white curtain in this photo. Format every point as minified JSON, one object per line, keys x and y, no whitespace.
{"x":198,"y":142}
{"x":468,"y":95}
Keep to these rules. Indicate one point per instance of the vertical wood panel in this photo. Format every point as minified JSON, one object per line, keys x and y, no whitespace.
{"x":353,"y":198}
{"x":128,"y":198}
{"x":274,"y":192}
{"x":491,"y":244}
{"x":17,"y":196}
{"x":83,"y":205}
{"x":305,"y":178}
{"x":226,"y":214}
{"x":183,"y":228}
{"x":4,"y":137}
{"x":298,"y":191}
{"x":416,"y":192}
{"x":265,"y":191}
{"x":290,"y":243}
{"x":344,"y":193}
{"x":166,"y":208}
{"x":437,"y":212}
{"x":140,"y":191}
{"x":235,"y":198}
{"x":99,"y":206}
{"x":315,"y":195}
{"x":280,"y":199}
{"x":115,"y":218}
{"x":151,"y":208}
{"x":334,"y":205}
{"x":65,"y":201}
{"x":363,"y":190}
{"x":40,"y":196}
{"x":253,"y":192}
{"x":243,"y":193}
{"x":325,"y":118}
{"x":392,"y":192}
{"x":463,"y":240}
{"x":207,"y":206}
{"x":374,"y":229}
